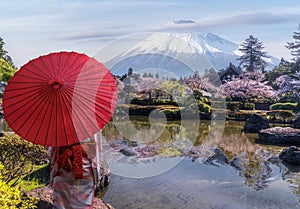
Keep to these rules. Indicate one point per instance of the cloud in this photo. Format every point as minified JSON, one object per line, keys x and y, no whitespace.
{"x":246,"y":19}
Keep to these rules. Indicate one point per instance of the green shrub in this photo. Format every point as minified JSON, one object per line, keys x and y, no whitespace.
{"x":218,"y":104}
{"x":281,"y":115}
{"x":12,"y":197}
{"x":171,"y":113}
{"x":203,"y":107}
{"x":19,"y":157}
{"x":284,"y":106}
{"x":248,"y":106}
{"x":145,"y":102}
{"x":233,"y":105}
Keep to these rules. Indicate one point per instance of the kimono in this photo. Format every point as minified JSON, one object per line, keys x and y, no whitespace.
{"x":74,"y":173}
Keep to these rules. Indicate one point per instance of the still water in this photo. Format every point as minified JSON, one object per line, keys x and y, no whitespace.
{"x":178,"y":169}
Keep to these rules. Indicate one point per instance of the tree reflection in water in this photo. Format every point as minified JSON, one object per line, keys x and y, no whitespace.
{"x":253,"y":162}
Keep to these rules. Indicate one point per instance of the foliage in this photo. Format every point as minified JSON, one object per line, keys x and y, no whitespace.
{"x":284,"y":106}
{"x":248,"y":86}
{"x":172,"y":113}
{"x":145,"y":102}
{"x":12,"y":197}
{"x":147,"y":86}
{"x":19,"y":157}
{"x":285,"y":68}
{"x":203,"y":107}
{"x":37,"y":178}
{"x":248,"y":106}
{"x":295,"y":45}
{"x":289,"y":87}
{"x":252,"y":55}
{"x":7,"y":70}
{"x":281,"y":116}
{"x":3,"y":52}
{"x":172,"y":90}
{"x":233,"y":105}
{"x":198,"y":83}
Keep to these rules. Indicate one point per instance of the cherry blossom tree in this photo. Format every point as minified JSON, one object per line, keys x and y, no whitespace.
{"x":248,"y":86}
{"x":147,"y":85}
{"x":289,"y":86}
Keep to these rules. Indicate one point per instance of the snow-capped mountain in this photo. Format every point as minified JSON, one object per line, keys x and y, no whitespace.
{"x":180,"y":53}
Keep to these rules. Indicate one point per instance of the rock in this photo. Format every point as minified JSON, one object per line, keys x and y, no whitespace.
{"x":279,"y":136}
{"x":44,"y":195}
{"x":255,"y":123}
{"x":127,"y":152}
{"x":218,"y":156}
{"x":296,"y":123}
{"x":290,"y":155}
{"x":104,"y":180}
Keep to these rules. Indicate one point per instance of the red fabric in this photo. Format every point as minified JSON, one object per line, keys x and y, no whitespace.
{"x":77,"y":155}
{"x":60,"y":99}
{"x":71,"y":158}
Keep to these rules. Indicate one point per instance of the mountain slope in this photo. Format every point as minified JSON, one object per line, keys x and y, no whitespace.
{"x":181,"y":54}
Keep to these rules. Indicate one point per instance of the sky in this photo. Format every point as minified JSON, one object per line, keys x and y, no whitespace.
{"x":32,"y":28}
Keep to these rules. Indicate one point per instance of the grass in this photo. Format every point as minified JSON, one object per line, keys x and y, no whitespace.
{"x":39,"y":177}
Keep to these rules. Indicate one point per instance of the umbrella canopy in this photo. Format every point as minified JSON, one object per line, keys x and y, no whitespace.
{"x":60,"y":99}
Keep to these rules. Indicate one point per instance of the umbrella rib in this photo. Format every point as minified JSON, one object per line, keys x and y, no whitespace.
{"x":93,"y":110}
{"x":11,"y":105}
{"x":25,"y":93}
{"x":84,"y":114}
{"x":40,"y":69}
{"x":64,"y":101}
{"x":49,"y":120}
{"x":29,"y":97}
{"x":74,"y":66}
{"x":47,"y":67}
{"x":98,"y":98}
{"x":22,"y":124}
{"x":43,"y":118}
{"x":68,"y":94}
{"x":35,"y":78}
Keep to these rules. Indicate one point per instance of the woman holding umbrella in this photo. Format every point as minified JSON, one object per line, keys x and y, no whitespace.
{"x":61,"y":101}
{"x":74,"y":173}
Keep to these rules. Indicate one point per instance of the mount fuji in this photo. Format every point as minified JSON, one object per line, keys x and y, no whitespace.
{"x":179,"y":53}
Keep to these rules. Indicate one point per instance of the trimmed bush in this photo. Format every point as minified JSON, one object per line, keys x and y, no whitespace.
{"x":12,"y":197}
{"x":284,"y":106}
{"x":233,"y":106}
{"x":203,"y":107}
{"x":248,"y":106}
{"x":146,"y":102}
{"x":19,"y":157}
{"x":172,"y":113}
{"x":281,"y":116}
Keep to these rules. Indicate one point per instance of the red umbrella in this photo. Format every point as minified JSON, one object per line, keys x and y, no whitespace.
{"x":60,"y":99}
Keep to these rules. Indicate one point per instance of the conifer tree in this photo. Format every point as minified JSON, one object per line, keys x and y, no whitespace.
{"x":252,"y":55}
{"x":294,"y":46}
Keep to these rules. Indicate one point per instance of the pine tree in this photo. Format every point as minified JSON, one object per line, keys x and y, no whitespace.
{"x":295,"y":46}
{"x":3,"y":52}
{"x":252,"y":55}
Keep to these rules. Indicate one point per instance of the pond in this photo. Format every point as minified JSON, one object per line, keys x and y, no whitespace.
{"x":175,"y":170}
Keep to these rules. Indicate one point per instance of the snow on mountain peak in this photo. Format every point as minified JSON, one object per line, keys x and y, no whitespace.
{"x":156,"y":47}
{"x":180,"y":22}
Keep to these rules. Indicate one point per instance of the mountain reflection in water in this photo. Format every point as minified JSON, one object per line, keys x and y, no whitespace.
{"x":172,"y":172}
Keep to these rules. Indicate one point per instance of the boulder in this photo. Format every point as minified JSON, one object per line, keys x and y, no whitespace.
{"x":290,"y":155}
{"x":218,"y":156}
{"x":255,"y":123}
{"x":279,"y":136}
{"x":296,"y":123}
